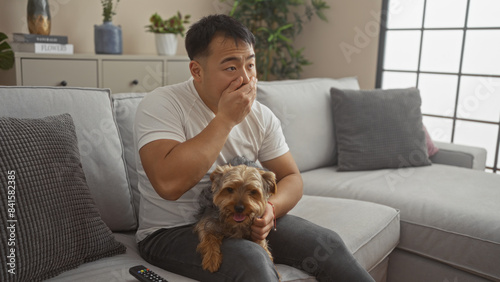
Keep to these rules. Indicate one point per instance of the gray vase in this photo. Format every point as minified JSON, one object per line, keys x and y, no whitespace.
{"x":108,"y":38}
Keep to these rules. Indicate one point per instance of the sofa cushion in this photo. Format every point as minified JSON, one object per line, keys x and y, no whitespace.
{"x":49,"y":215}
{"x":124,"y":109}
{"x":448,"y":213}
{"x":303,"y":107}
{"x":98,"y":139}
{"x":379,"y":129}
{"x":370,"y":231}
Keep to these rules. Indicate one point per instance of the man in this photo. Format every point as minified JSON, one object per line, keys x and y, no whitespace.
{"x":184,"y":131}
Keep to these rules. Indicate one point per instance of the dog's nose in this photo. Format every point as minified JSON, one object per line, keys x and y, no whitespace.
{"x":239,"y":208}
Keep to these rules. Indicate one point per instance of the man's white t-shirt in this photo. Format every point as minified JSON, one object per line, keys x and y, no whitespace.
{"x":177,"y":112}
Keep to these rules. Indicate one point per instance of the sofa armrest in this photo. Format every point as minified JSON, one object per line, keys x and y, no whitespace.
{"x":460,"y":155}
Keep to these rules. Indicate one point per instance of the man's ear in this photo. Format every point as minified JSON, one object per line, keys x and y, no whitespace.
{"x":196,"y":70}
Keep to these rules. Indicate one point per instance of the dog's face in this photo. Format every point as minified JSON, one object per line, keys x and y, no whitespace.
{"x":241,"y":192}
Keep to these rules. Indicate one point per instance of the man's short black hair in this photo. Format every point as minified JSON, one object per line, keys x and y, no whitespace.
{"x":202,"y":32}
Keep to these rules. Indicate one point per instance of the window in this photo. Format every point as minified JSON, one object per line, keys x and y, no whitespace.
{"x":450,"y":50}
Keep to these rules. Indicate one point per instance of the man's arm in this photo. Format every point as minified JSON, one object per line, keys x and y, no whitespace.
{"x":288,"y":193}
{"x":289,"y":183}
{"x":173,"y":167}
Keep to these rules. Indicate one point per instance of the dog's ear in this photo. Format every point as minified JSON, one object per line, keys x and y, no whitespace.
{"x":269,"y":180}
{"x":217,"y":174}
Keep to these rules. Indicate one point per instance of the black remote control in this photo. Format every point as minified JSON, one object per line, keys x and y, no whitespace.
{"x":145,"y":274}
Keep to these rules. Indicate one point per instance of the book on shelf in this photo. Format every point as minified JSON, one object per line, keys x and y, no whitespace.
{"x":42,"y":48}
{"x":32,"y":38}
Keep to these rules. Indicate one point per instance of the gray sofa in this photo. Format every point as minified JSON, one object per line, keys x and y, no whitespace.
{"x":430,"y":223}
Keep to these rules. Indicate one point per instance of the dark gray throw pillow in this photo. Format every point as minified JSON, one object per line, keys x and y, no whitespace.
{"x":378,"y":129}
{"x":50,"y":222}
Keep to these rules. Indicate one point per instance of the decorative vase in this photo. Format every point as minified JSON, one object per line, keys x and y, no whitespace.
{"x":39,"y":17}
{"x":166,"y":43}
{"x":108,"y":38}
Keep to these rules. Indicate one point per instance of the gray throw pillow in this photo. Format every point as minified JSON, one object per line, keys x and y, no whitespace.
{"x":49,"y":220}
{"x":378,"y":129}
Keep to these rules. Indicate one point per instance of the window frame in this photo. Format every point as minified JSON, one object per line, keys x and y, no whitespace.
{"x":380,"y":69}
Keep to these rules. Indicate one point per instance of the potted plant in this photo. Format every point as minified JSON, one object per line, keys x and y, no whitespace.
{"x":107,"y":36}
{"x":6,"y":53}
{"x":166,"y":32}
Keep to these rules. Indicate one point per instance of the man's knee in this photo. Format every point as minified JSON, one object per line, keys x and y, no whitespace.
{"x":247,"y":261}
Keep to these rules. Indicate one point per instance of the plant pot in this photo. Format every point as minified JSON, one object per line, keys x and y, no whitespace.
{"x":108,"y":38}
{"x":166,"y":44}
{"x":38,"y":17}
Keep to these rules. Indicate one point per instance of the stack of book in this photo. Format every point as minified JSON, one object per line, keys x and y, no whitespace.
{"x":41,"y":44}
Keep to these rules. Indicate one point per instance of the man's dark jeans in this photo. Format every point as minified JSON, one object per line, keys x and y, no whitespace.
{"x":297,"y":242}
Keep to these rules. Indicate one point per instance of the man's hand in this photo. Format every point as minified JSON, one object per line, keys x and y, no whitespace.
{"x":262,"y":226}
{"x":236,"y":101}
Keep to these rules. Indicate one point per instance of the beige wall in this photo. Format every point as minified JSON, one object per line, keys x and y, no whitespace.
{"x":347,"y":45}
{"x":351,"y":25}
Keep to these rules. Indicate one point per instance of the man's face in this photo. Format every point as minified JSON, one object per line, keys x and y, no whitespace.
{"x":225,"y":63}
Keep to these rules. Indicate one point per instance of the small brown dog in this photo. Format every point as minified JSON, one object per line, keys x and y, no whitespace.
{"x":237,"y":196}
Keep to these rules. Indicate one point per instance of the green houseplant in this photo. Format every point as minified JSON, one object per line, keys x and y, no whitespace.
{"x":275,"y":25}
{"x":166,"y":31}
{"x":108,"y":10}
{"x":6,"y":53}
{"x":174,"y":24}
{"x":107,"y":36}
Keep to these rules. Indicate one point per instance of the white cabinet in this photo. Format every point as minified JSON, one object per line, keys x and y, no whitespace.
{"x":120,"y":73}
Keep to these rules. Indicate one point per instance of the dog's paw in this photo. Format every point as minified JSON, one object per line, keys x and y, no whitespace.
{"x":264,"y":245}
{"x":209,"y":248}
{"x":270,"y":255}
{"x":212,"y":262}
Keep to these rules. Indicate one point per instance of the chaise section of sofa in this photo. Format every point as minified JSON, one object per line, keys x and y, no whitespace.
{"x":450,"y":223}
{"x":448,"y":214}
